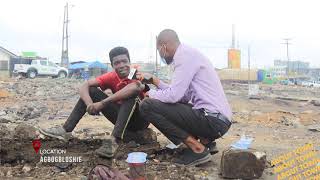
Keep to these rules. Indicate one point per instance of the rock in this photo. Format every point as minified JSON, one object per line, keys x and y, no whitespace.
{"x":256,"y":97}
{"x":307,"y":112}
{"x":245,"y":111}
{"x":26,"y":168}
{"x":28,"y":111}
{"x":197,"y":177}
{"x":236,"y":93}
{"x":9,"y":173}
{"x":295,"y":122}
{"x":6,"y":119}
{"x":24,"y":131}
{"x":4,"y":132}
{"x":2,"y":113}
{"x":314,"y":128}
{"x":315,"y":102}
{"x":242,"y":164}
{"x":63,"y":166}
{"x":83,"y":178}
{"x":1,"y":173}
{"x":256,"y":113}
{"x":303,"y":104}
{"x":156,"y":160}
{"x":40,"y":93}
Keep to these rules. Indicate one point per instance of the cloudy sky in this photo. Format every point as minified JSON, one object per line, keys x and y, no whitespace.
{"x":97,"y":26}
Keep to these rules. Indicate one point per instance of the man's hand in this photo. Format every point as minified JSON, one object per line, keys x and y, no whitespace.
{"x":94,"y":108}
{"x":147,"y":78}
{"x":140,"y":75}
{"x":108,"y":92}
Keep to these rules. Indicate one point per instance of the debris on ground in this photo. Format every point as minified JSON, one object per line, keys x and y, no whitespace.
{"x":280,"y":120}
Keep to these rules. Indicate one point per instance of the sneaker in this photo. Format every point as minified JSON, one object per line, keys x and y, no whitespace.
{"x":56,"y":132}
{"x":212,"y":146}
{"x":108,"y":149}
{"x":190,"y":158}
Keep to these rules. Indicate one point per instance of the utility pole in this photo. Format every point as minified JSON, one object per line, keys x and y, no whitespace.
{"x":65,"y":36}
{"x":249,"y":88}
{"x":233,"y":42}
{"x":249,"y":65}
{"x":288,"y":59}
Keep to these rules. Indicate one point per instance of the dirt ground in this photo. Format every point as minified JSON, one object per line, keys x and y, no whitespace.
{"x":280,"y":119}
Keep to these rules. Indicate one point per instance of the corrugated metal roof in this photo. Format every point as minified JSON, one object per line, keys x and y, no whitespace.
{"x":7,"y":51}
{"x":95,"y":64}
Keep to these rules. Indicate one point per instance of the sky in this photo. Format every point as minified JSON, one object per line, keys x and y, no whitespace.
{"x":96,"y":26}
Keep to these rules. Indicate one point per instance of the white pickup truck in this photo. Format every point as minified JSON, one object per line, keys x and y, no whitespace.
{"x":40,"y":68}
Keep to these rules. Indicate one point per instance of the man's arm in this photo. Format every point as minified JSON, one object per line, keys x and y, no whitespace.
{"x":162,"y":85}
{"x":183,"y":75}
{"x":84,"y":90}
{"x":130,"y":90}
{"x":158,"y":83}
{"x":154,"y":80}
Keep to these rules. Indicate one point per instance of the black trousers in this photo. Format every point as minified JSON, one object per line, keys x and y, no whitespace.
{"x":178,"y":121}
{"x":124,"y":116}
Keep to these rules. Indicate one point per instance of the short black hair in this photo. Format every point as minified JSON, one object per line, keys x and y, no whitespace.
{"x":118,"y":51}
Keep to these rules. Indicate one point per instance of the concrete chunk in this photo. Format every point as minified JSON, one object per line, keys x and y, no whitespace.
{"x":26,"y":132}
{"x":243,"y":164}
{"x":315,"y":102}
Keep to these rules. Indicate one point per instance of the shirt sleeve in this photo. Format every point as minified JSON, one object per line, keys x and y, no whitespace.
{"x":163,"y":85}
{"x":184,"y":72}
{"x":186,"y":98}
{"x":104,"y":81}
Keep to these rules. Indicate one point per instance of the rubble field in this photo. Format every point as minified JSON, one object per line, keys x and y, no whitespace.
{"x":280,"y":119}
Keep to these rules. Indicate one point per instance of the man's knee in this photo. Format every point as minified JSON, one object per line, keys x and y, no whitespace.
{"x":147,"y":105}
{"x":93,"y":90}
{"x":96,"y":94}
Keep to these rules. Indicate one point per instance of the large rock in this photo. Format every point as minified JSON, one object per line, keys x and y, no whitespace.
{"x":315,"y":102}
{"x":243,"y":164}
{"x":25,"y":132}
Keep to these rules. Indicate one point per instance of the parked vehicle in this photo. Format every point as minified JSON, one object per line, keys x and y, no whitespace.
{"x":40,"y":68}
{"x":311,"y":83}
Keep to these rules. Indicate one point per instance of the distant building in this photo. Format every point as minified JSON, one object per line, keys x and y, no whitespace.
{"x":234,"y":59}
{"x":278,"y":71}
{"x":299,"y":67}
{"x":314,"y":73}
{"x":9,"y":59}
{"x":5,"y":57}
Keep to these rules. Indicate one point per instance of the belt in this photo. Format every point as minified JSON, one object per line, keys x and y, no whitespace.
{"x":218,"y":116}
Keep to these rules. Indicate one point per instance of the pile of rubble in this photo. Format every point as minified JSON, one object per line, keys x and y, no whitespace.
{"x":29,"y":99}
